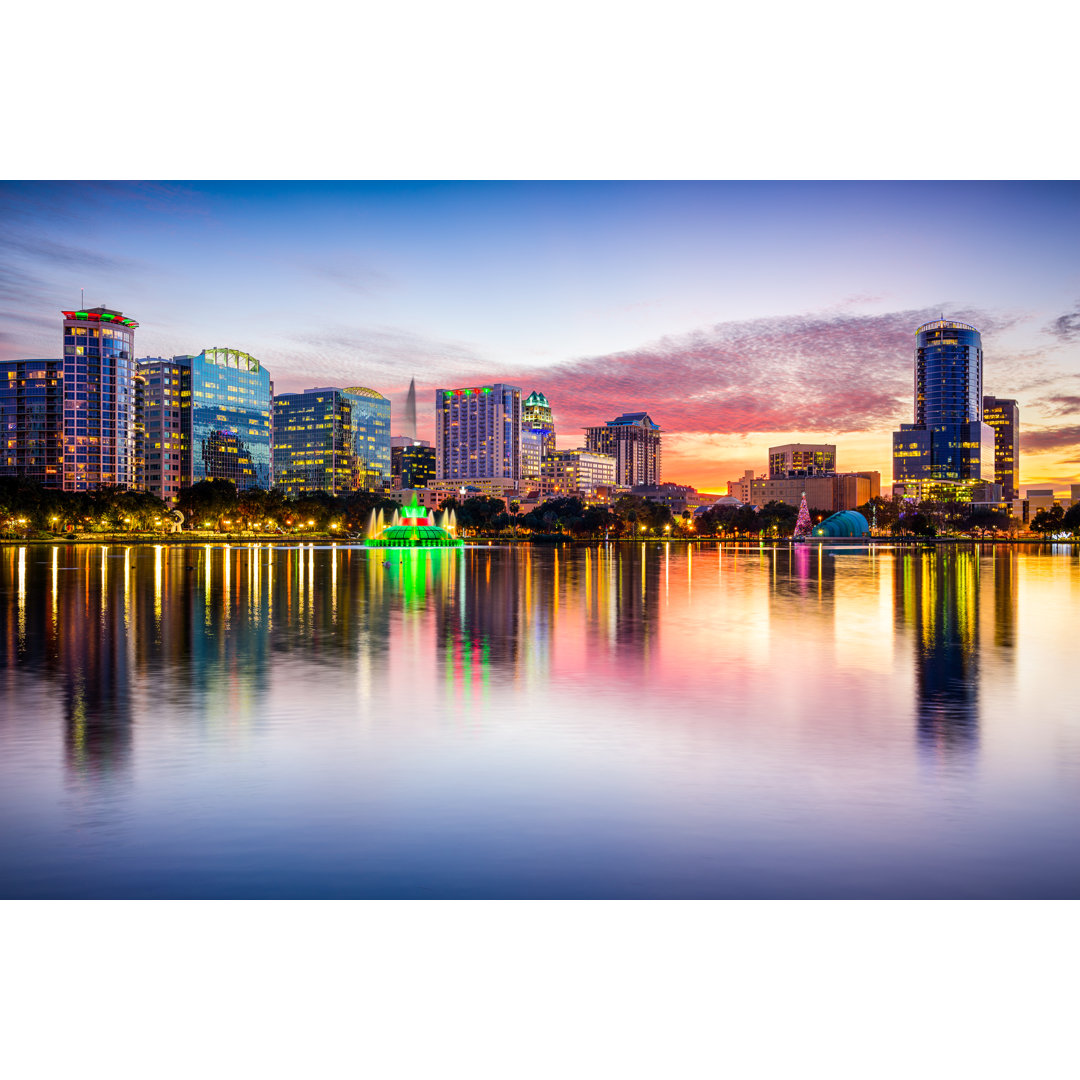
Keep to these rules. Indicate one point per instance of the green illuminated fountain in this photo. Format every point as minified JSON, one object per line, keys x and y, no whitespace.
{"x":416,"y":529}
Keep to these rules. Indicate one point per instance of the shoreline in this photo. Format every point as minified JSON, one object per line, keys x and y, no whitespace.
{"x":190,"y":539}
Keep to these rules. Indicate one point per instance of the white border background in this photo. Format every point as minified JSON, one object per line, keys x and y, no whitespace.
{"x":547,"y":990}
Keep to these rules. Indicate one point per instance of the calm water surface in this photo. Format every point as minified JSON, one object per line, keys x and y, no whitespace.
{"x":623,"y":721}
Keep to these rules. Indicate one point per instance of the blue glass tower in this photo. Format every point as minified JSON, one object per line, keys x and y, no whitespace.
{"x":948,"y":444}
{"x":332,"y":440}
{"x":229,"y":437}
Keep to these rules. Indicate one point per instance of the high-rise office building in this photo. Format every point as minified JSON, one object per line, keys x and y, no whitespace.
{"x":1003,"y":416}
{"x":634,"y":441}
{"x":536,"y":415}
{"x":478,"y":434}
{"x":537,"y":435}
{"x":32,"y":420}
{"x":229,"y":433}
{"x":140,"y":429}
{"x":165,"y":422}
{"x":371,"y":436}
{"x":333,"y":440}
{"x":99,"y":399}
{"x":948,"y":446}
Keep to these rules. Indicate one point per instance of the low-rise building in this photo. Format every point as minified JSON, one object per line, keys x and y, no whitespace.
{"x":412,"y":463}
{"x":679,"y":498}
{"x":578,"y":472}
{"x":802,"y":459}
{"x":836,"y":492}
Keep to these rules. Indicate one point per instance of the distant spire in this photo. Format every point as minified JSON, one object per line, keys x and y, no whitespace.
{"x":410,"y":411}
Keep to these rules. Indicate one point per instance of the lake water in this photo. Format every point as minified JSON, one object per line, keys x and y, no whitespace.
{"x":605,"y":721}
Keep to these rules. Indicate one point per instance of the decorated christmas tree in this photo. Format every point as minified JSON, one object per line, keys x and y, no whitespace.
{"x":802,"y":522}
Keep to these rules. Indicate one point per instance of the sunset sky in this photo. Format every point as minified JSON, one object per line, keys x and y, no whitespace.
{"x":739,"y":315}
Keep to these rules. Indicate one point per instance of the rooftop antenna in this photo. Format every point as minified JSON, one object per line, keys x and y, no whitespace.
{"x":82,"y":299}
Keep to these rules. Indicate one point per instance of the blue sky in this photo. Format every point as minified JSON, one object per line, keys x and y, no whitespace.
{"x":738,"y":314}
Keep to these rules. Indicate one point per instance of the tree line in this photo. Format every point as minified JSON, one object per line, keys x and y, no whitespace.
{"x":26,"y":507}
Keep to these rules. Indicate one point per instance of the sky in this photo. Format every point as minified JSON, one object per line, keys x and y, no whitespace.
{"x":739,"y":315}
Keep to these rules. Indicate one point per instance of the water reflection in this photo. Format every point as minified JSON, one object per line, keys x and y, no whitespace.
{"x":209,"y":622}
{"x":753,"y":691}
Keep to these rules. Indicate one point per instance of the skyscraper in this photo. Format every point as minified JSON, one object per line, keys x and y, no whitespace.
{"x":32,"y":420}
{"x":332,"y":440}
{"x":409,"y":430}
{"x":948,"y":445}
{"x":166,"y":425}
{"x":229,"y":433}
{"x":1003,"y":415}
{"x":634,"y":441}
{"x":478,"y":434}
{"x":371,"y":436}
{"x":99,"y":399}
{"x":536,"y":415}
{"x":537,"y":435}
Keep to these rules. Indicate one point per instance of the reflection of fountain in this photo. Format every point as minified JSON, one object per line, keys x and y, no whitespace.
{"x":414,"y":527}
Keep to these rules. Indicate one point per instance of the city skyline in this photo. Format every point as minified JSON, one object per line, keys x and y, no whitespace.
{"x":738,"y":315}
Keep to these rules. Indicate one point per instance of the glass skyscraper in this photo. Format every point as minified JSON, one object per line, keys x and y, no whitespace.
{"x":332,"y":440}
{"x":229,"y":433}
{"x":948,"y":444}
{"x":32,"y":420}
{"x":99,"y":399}
{"x":1003,"y":415}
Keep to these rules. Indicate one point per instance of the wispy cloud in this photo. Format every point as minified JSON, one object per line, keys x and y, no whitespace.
{"x":1067,"y":326}
{"x":1060,"y":404}
{"x":832,"y":372}
{"x":347,"y":272}
{"x":1049,"y":439}
{"x":380,"y":355}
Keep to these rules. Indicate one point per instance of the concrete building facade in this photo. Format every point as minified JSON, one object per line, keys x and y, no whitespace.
{"x":1003,"y":416}
{"x":478,"y":434}
{"x":633,"y":440}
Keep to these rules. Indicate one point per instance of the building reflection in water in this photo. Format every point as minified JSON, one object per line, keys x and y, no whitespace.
{"x":478,"y":619}
{"x":1006,"y":562}
{"x":95,"y":662}
{"x":513,"y":613}
{"x":937,"y":603}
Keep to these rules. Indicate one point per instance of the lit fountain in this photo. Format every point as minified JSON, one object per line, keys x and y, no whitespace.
{"x":414,"y":527}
